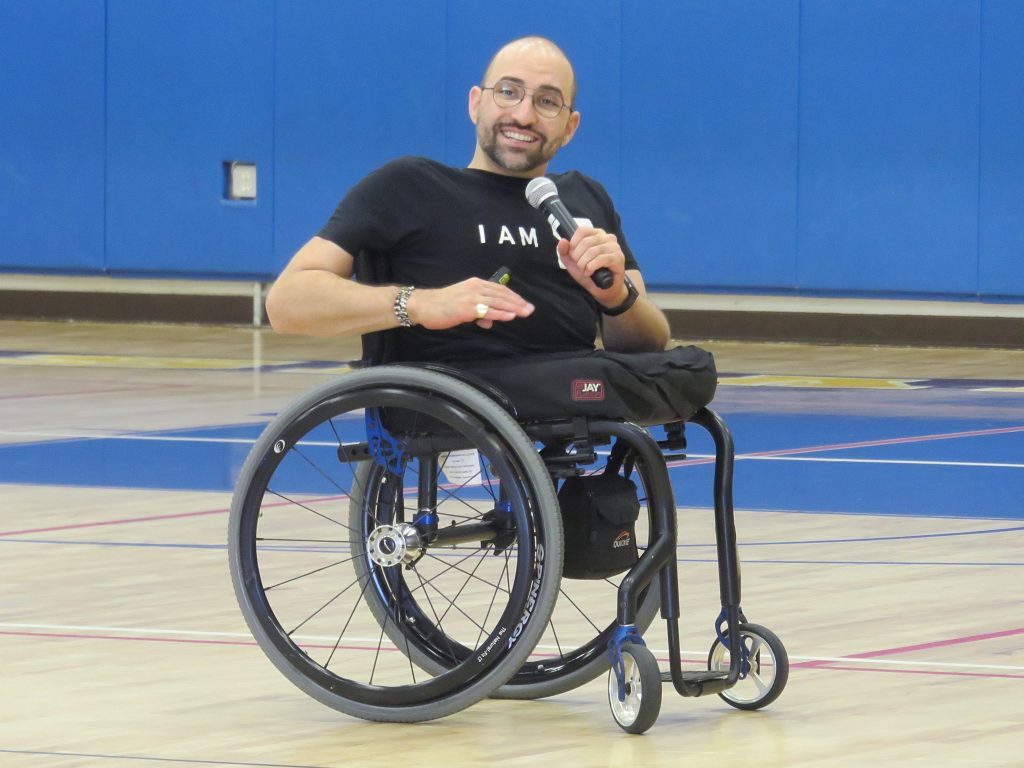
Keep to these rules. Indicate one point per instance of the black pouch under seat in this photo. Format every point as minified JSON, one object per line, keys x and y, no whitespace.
{"x":599,"y":514}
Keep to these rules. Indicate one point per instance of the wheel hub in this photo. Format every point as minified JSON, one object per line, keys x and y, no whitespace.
{"x":393,"y":544}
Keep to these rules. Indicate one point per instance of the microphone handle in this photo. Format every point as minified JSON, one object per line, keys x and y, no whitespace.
{"x":602,"y":277}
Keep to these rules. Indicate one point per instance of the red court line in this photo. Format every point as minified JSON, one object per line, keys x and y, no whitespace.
{"x":114,"y":522}
{"x":151,"y":519}
{"x":917,"y":672}
{"x":184,"y":640}
{"x":890,"y":441}
{"x":73,"y":636}
{"x":832,"y":666}
{"x":939,"y":644}
{"x":918,"y":647}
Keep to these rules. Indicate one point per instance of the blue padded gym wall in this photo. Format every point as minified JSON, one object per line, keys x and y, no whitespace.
{"x":52,"y":135}
{"x":709,"y":149}
{"x":1001,"y":118}
{"x":821,"y":147}
{"x":189,"y":86}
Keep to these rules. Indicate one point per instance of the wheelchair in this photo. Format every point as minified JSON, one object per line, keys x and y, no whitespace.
{"x":396,"y":541}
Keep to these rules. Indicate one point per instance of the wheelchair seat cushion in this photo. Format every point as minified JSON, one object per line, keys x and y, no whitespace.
{"x":642,"y":387}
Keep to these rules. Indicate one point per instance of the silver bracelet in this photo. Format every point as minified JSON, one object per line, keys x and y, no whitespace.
{"x":402,"y":306}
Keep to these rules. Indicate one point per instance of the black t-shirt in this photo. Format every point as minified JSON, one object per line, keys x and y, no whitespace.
{"x":437,"y":225}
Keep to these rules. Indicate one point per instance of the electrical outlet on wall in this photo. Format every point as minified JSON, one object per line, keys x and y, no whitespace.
{"x":240,"y":180}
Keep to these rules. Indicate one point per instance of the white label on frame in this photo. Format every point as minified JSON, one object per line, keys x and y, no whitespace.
{"x":462,"y":467}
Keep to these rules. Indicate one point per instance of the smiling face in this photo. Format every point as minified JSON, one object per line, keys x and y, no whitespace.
{"x":517,"y":141}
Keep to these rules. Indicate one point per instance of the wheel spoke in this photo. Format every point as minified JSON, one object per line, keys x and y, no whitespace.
{"x":281,"y":496}
{"x":305,"y":621}
{"x":308,"y":573}
{"x":581,"y":612}
{"x":437,"y":620}
{"x":344,"y":629}
{"x":481,"y":579}
{"x":462,"y":588}
{"x":318,"y":469}
{"x":490,"y":607}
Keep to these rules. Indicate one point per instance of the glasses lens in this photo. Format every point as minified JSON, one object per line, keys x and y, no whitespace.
{"x":548,"y":103}
{"x":507,"y":94}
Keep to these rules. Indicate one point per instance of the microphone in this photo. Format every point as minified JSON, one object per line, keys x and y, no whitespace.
{"x":542,"y":194}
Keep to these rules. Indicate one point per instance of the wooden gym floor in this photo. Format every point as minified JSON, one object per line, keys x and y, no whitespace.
{"x":881,"y":521}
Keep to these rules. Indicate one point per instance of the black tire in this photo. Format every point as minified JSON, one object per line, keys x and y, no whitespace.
{"x":350,"y":631}
{"x":642,"y":697}
{"x":574,"y":647}
{"x":768,"y":671}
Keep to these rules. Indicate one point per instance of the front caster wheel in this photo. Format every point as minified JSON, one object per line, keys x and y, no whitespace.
{"x":765,"y":673}
{"x":641,"y":701}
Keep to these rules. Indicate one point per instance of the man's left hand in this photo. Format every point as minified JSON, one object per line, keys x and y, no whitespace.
{"x":588,"y":251}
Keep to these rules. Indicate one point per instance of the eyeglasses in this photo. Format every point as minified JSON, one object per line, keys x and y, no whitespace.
{"x":508,"y":94}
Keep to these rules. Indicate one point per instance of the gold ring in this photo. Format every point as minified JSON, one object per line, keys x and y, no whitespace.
{"x":481,"y":311}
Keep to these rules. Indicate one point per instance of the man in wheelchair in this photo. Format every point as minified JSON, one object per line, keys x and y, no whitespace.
{"x":431,"y":479}
{"x":444,"y":231}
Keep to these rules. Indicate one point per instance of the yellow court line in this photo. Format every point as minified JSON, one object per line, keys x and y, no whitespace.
{"x":822,"y":382}
{"x":156,"y":362}
{"x":128,"y":361}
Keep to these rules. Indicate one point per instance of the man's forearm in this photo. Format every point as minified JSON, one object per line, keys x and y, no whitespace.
{"x":644,"y":328}
{"x":319,"y":303}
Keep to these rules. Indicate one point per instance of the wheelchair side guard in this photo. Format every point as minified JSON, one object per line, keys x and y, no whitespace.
{"x":621,"y":634}
{"x":384,"y":449}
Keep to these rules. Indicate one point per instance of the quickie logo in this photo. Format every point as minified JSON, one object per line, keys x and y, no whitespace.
{"x":622,"y":540}
{"x":587,"y":389}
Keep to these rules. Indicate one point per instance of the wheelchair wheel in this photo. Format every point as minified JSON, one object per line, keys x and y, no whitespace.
{"x":768,"y":671}
{"x":641,"y":700}
{"x":574,"y":647}
{"x":378,"y":579}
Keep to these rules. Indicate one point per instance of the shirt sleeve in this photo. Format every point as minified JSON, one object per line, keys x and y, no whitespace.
{"x":631,"y":262}
{"x":616,"y":226}
{"x":594,"y":197}
{"x":372,"y":214}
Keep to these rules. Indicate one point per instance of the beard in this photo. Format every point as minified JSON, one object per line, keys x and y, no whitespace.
{"x":512,"y":159}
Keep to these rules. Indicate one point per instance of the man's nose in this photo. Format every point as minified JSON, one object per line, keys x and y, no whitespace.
{"x":524,"y":111}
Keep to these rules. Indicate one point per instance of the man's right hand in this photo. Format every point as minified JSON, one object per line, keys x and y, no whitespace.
{"x":442,"y":308}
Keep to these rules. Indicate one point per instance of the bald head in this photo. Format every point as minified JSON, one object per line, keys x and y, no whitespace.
{"x":536,"y":48}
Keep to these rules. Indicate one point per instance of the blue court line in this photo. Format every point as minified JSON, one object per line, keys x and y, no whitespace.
{"x":333,"y":547}
{"x":141,"y":544}
{"x":906,"y":537}
{"x":178,"y":760}
{"x":942,"y":563}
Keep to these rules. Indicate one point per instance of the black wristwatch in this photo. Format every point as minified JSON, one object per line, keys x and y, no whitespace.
{"x":629,"y":301}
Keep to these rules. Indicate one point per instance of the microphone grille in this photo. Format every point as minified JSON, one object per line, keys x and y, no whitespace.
{"x":539,"y":190}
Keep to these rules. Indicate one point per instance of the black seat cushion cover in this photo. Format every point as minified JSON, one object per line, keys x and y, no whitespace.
{"x":642,"y":387}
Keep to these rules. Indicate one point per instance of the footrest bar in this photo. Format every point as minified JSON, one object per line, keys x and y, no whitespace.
{"x":698,"y":683}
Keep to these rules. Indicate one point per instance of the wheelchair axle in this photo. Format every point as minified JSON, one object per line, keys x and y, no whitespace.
{"x":389,"y":545}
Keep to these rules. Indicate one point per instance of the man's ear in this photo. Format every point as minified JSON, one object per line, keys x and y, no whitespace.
{"x":570,"y":128}
{"x":474,"y":103}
